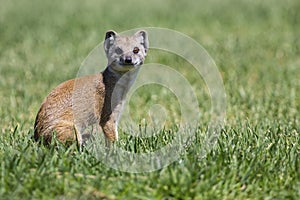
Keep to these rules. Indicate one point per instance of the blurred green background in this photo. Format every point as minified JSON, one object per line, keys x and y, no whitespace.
{"x":256,"y":46}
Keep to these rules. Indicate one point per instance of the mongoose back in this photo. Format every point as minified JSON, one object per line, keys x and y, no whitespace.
{"x":95,"y":99}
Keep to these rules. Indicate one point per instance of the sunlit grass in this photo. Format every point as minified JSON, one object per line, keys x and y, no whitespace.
{"x":256,"y":47}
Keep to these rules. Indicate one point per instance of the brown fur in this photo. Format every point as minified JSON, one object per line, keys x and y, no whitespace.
{"x":78,"y":103}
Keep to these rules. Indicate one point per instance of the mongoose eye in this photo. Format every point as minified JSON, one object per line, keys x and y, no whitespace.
{"x":119,"y":50}
{"x":136,"y":50}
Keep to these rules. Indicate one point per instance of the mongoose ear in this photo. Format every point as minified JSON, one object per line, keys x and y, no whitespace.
{"x":143,"y":35}
{"x":110,"y":37}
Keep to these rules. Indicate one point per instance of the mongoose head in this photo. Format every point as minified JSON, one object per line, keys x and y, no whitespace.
{"x":125,"y":52}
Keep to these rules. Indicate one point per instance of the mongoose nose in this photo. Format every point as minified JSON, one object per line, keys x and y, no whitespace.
{"x":128,"y":60}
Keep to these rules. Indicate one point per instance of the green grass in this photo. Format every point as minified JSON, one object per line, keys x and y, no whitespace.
{"x":256,"y":47}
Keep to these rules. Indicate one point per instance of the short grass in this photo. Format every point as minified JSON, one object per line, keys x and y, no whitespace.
{"x":256,"y":47}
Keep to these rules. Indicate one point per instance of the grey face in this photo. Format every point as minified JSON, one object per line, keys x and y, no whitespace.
{"x":125,"y":52}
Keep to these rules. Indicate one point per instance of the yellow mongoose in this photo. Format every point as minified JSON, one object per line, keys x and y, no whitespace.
{"x":95,"y":99}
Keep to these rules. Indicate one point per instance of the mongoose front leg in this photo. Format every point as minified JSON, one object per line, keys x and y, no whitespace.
{"x":109,"y":128}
